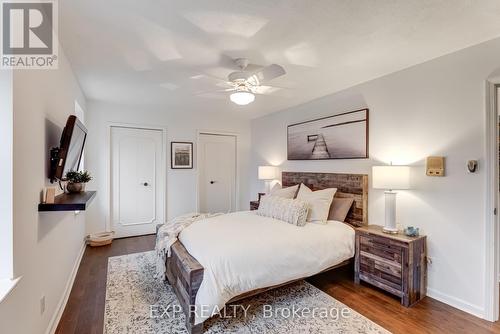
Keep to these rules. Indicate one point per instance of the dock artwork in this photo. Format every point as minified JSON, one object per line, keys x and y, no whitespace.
{"x":341,"y":136}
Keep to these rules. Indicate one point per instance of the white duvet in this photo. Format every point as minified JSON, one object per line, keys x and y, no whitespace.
{"x":242,"y":251}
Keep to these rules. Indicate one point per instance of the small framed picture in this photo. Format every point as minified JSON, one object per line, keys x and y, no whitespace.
{"x":181,"y":155}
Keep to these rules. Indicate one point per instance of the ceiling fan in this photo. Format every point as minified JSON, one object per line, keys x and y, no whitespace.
{"x":244,"y":84}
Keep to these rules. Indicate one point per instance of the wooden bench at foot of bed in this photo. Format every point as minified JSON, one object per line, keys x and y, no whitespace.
{"x":185,"y":274}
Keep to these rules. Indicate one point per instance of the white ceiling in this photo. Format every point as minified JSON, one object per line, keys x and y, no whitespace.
{"x":160,"y":52}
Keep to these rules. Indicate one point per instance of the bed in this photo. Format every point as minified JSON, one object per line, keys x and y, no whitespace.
{"x":230,"y":257}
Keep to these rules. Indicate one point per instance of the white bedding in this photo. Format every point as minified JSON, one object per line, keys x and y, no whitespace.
{"x":242,"y":251}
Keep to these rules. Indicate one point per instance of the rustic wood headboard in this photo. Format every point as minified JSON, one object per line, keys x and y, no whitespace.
{"x":348,"y":185}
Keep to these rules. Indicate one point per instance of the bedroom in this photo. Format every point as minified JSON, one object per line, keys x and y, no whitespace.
{"x":157,"y":77}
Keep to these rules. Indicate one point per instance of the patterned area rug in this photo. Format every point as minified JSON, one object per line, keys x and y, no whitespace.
{"x":137,"y":302}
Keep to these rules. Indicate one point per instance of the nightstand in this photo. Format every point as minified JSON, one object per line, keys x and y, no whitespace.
{"x":254,"y":205}
{"x":395,"y":263}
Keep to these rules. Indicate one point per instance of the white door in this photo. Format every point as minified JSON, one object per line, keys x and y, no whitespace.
{"x":217,"y":173}
{"x":137,"y":181}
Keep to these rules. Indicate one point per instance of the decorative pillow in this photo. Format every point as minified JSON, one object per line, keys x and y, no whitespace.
{"x":319,"y":202}
{"x":288,"y":192}
{"x":288,"y":210}
{"x":340,"y":208}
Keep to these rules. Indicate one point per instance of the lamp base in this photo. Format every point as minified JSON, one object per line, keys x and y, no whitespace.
{"x":389,"y":230}
{"x":390,"y":213}
{"x":268,"y":186}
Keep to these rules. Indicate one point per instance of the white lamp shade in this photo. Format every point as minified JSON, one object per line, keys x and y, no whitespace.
{"x":391,"y":177}
{"x":268,"y":173}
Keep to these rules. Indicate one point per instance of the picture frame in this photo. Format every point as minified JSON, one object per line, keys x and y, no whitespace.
{"x":340,"y":136}
{"x":181,"y":155}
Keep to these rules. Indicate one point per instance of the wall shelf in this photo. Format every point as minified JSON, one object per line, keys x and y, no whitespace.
{"x":69,"y":202}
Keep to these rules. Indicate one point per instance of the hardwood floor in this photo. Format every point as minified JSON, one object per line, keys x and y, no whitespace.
{"x":84,"y":312}
{"x":427,"y":316}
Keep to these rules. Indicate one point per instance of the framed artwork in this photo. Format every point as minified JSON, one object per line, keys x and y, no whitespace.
{"x":181,"y":155}
{"x":342,"y":136}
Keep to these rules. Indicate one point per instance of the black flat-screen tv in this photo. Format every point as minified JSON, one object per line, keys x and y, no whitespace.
{"x":68,"y":155}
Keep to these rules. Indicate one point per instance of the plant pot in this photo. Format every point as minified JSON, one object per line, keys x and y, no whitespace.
{"x":75,"y":188}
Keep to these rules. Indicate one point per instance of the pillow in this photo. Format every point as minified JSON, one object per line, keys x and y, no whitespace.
{"x":319,"y":202}
{"x":288,"y":210}
{"x":288,"y":192}
{"x":340,"y":208}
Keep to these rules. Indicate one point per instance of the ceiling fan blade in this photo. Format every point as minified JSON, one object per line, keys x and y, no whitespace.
{"x":265,"y":90}
{"x":225,"y":84}
{"x":215,"y":91}
{"x":272,"y":91}
{"x":268,"y":73}
{"x":216,"y":96}
{"x":253,"y":68}
{"x":203,"y":76}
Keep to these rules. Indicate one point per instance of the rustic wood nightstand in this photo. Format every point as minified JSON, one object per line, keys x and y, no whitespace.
{"x":395,"y":263}
{"x":254,"y":205}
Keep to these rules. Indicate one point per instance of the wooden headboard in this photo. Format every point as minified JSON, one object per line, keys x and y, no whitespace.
{"x":348,"y":185}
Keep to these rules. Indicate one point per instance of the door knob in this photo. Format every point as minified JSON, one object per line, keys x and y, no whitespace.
{"x":212,"y":182}
{"x":145,"y":184}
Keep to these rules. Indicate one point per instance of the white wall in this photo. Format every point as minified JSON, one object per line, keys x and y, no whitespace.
{"x":6,"y":138}
{"x":46,"y":245}
{"x":181,"y":184}
{"x":498,"y":104}
{"x":436,"y":108}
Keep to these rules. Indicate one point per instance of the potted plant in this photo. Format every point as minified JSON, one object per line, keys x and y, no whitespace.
{"x":76,"y":181}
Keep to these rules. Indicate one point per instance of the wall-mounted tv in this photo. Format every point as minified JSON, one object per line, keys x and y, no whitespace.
{"x":68,"y":155}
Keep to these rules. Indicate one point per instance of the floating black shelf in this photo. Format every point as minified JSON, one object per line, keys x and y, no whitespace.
{"x":69,"y":202}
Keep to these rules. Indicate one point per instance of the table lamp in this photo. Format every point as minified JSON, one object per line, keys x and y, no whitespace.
{"x":268,"y":174}
{"x":390,"y":178}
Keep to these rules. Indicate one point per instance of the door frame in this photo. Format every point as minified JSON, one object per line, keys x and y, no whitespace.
{"x":491,"y":311}
{"x":236,"y":167}
{"x":163,"y":183}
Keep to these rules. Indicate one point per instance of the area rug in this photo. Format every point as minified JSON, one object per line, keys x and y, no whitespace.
{"x":137,"y":302}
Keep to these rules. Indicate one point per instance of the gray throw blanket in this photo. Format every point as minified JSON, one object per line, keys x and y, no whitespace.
{"x":167,"y":235}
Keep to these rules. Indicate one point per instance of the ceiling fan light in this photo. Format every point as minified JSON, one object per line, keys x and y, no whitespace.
{"x":242,"y":98}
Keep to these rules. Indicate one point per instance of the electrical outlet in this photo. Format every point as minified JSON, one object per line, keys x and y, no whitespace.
{"x":42,"y":305}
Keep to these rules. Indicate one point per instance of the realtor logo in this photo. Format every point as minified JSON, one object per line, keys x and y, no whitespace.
{"x":28,"y":34}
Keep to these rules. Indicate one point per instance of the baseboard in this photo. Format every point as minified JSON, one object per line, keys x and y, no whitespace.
{"x":67,"y":290}
{"x":456,"y":303}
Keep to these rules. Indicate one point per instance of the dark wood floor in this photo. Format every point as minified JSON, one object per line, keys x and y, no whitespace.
{"x":84,"y":311}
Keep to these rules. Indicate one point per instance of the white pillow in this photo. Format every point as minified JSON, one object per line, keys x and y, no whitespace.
{"x":319,"y":203}
{"x":288,"y":192}
{"x":292,"y":211}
